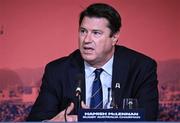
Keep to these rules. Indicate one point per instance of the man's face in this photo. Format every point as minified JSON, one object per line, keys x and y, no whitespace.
{"x":95,"y":44}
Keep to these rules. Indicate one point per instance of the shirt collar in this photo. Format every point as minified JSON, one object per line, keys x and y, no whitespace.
{"x":106,"y":67}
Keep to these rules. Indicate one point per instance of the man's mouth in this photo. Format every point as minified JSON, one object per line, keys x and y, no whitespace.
{"x":88,"y":49}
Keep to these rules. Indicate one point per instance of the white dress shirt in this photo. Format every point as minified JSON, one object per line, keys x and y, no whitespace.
{"x":106,"y":80}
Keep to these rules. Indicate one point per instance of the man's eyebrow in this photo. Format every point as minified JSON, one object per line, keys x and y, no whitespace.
{"x":93,"y":30}
{"x":96,"y":30}
{"x":82,"y":28}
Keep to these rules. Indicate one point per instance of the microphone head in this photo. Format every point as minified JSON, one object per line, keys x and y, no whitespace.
{"x":78,"y":89}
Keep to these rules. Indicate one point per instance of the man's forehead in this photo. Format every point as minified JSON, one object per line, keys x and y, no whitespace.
{"x":94,"y":23}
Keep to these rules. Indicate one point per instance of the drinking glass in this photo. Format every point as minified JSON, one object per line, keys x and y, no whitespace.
{"x":130,"y":103}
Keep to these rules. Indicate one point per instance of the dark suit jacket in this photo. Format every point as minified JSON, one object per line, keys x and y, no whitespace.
{"x":135,"y":72}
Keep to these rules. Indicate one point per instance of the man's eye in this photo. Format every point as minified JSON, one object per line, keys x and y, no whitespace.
{"x":97,"y":33}
{"x":82,"y":31}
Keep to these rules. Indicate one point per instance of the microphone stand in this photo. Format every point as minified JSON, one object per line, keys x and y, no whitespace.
{"x":78,"y":99}
{"x":78,"y":96}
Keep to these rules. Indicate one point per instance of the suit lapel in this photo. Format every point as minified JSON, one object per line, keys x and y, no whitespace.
{"x":76,"y":68}
{"x":120,"y":69}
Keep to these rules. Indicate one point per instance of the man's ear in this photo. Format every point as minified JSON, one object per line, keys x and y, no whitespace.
{"x":115,"y":37}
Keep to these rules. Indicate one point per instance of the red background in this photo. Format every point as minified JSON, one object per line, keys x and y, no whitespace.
{"x":38,"y":31}
{"x":35,"y":32}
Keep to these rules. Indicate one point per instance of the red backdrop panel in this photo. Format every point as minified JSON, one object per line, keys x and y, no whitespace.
{"x":34,"y":32}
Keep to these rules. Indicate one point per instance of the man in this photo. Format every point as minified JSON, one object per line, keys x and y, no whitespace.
{"x":126,"y":73}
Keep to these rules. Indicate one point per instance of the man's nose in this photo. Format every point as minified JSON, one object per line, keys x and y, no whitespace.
{"x":87,"y":38}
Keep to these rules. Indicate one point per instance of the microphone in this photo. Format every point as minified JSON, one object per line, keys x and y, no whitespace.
{"x":109,"y":89}
{"x":113,"y":103}
{"x":108,"y":99}
{"x":79,"y":79}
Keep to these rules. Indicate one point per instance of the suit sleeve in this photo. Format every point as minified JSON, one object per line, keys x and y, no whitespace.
{"x":47,"y":104}
{"x":147,"y":90}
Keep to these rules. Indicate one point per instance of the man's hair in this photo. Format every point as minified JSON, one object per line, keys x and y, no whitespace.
{"x":101,"y":10}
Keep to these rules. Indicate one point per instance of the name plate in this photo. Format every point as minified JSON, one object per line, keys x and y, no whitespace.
{"x":89,"y":115}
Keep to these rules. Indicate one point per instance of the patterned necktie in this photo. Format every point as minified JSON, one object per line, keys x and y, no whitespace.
{"x":97,"y":96}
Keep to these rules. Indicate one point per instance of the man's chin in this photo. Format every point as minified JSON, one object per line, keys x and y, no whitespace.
{"x":88,"y":58}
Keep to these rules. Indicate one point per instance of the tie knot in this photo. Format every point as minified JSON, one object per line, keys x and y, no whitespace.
{"x":98,"y":72}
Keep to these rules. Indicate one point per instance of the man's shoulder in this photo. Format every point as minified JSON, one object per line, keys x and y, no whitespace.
{"x":66,"y":60}
{"x":132,"y":55}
